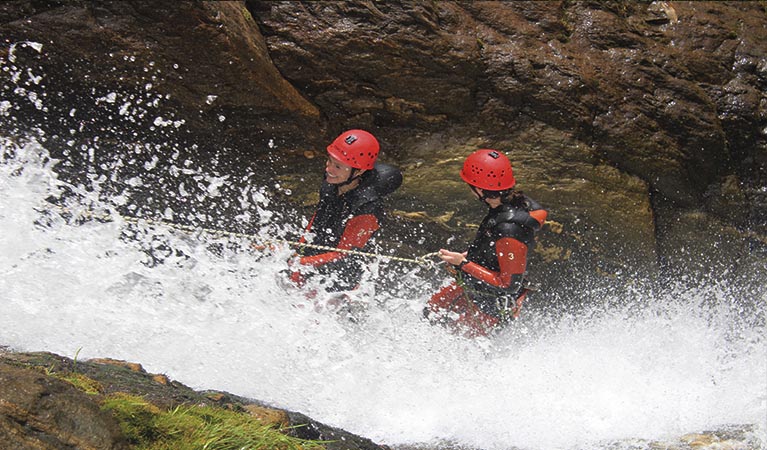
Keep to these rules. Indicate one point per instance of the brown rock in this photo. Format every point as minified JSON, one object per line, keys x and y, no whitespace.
{"x":207,"y":60}
{"x":162,"y":379}
{"x":136,"y":367}
{"x":41,"y":412}
{"x":661,"y":13}
{"x":276,"y":417}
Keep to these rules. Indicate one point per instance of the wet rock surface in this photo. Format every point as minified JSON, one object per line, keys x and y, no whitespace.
{"x":40,"y":410}
{"x":37,"y":411}
{"x":572,"y":90}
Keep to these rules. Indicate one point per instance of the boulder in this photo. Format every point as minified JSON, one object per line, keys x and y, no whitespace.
{"x":42,"y":412}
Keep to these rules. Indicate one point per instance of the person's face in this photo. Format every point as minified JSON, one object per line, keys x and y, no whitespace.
{"x":336,"y":172}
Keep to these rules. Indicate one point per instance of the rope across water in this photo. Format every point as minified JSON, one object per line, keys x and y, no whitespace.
{"x":422,"y":260}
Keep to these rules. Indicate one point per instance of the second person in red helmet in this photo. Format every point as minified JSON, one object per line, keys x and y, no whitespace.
{"x":349,"y":212}
{"x":489,"y":289}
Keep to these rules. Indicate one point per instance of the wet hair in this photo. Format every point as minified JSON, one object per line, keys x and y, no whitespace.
{"x":511,"y":197}
{"x":508,"y":197}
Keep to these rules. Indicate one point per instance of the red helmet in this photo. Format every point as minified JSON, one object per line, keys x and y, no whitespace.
{"x":356,"y":148}
{"x":489,"y":170}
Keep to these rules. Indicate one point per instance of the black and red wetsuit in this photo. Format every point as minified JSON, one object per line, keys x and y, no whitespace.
{"x":348,"y":222}
{"x":490,"y":282}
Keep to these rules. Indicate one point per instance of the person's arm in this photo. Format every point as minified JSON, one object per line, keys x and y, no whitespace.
{"x":358,"y":231}
{"x":539,"y":215}
{"x":302,"y":240}
{"x":512,"y":259}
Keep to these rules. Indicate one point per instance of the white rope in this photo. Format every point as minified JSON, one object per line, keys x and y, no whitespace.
{"x":421,"y":260}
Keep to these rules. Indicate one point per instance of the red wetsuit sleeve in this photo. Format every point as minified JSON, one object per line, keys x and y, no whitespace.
{"x":358,"y":231}
{"x":308,"y":229}
{"x":512,"y":258}
{"x":539,"y":215}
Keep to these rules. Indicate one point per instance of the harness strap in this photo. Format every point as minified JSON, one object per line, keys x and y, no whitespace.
{"x":518,"y":305}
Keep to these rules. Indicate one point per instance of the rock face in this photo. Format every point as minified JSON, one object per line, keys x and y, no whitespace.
{"x":208,"y":58}
{"x":655,"y":99}
{"x":38,"y":410}
{"x":622,"y":117}
{"x":641,"y":127}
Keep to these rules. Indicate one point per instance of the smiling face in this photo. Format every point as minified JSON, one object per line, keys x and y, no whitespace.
{"x":337,"y":172}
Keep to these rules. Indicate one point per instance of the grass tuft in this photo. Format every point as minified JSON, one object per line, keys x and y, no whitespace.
{"x":81,"y":382}
{"x":196,"y":427}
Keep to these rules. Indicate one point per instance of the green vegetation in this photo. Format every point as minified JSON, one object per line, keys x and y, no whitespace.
{"x":195,"y":427}
{"x":80,"y":381}
{"x":246,"y":14}
{"x":191,"y":426}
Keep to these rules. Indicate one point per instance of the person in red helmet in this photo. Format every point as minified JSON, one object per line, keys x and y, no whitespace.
{"x":349,"y":212}
{"x":489,"y":289}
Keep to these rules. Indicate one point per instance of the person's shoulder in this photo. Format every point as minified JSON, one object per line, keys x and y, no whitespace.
{"x":364,"y":200}
{"x":385,"y":178}
{"x":514,"y":230}
{"x":531,"y":204}
{"x":379,"y":182}
{"x":515,"y":216}
{"x":536,"y":211}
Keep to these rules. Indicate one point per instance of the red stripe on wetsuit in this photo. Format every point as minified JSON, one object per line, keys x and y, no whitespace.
{"x":512,"y":259}
{"x":357,"y":232}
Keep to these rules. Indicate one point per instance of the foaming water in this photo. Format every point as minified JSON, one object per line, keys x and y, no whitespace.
{"x":211,"y":315}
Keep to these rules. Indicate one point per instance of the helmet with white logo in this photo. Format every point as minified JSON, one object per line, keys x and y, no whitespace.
{"x":356,"y":148}
{"x":489,"y":170}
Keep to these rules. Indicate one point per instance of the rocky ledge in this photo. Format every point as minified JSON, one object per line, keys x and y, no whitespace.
{"x":49,"y":401}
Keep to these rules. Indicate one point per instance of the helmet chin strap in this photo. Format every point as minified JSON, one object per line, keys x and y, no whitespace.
{"x":351,"y":178}
{"x":481,"y":197}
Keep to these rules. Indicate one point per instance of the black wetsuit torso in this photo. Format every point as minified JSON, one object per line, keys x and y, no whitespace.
{"x":507,"y":220}
{"x":333,"y":213}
